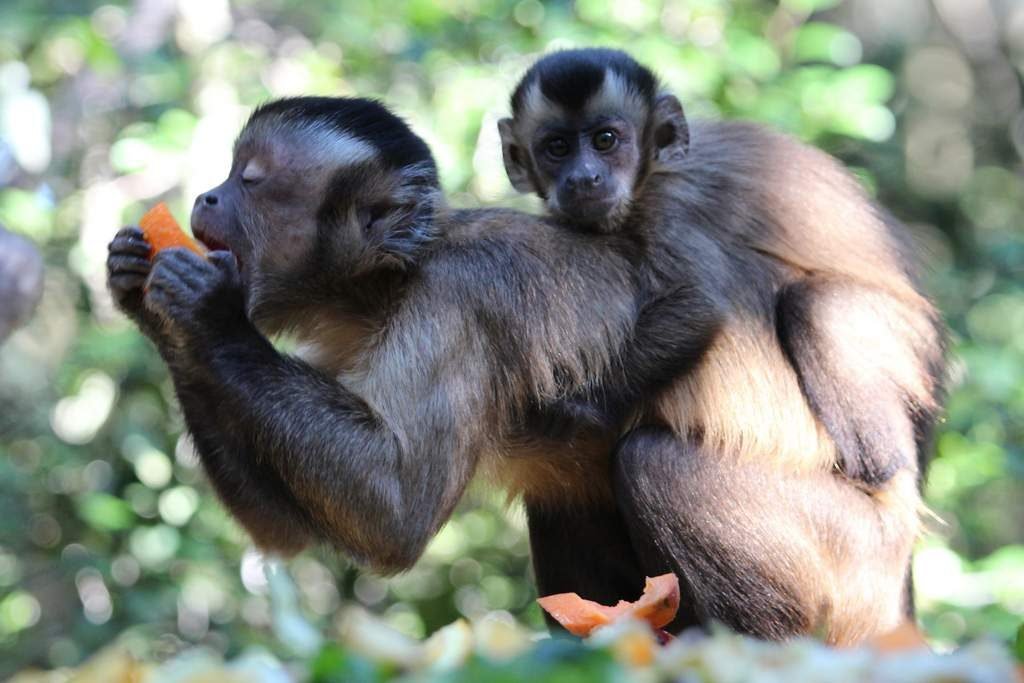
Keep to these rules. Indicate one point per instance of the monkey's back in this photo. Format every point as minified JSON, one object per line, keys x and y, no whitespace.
{"x":794,"y":204}
{"x":554,"y":307}
{"x":763,"y":211}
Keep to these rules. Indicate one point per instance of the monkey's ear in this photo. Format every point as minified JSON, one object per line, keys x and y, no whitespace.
{"x":514,"y":156}
{"x":397,"y":228}
{"x":671,"y":132}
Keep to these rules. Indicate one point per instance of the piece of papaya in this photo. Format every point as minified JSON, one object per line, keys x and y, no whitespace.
{"x":578,"y":616}
{"x":660,"y":601}
{"x":657,"y":606}
{"x":163,"y":232}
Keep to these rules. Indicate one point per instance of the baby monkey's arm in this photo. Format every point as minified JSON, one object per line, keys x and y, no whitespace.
{"x":670,"y":336}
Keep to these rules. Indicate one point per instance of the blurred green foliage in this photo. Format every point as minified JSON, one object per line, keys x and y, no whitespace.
{"x":106,"y":523}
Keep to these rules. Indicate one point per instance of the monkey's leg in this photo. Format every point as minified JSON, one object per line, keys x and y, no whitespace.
{"x":767,"y":553}
{"x":583,"y":548}
{"x":868,"y":364}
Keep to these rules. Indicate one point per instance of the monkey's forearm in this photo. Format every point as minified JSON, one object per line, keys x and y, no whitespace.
{"x":670,"y":336}
{"x":344,"y":471}
{"x":253,"y":491}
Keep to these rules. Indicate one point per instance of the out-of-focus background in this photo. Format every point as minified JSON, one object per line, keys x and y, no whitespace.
{"x":106,"y":524}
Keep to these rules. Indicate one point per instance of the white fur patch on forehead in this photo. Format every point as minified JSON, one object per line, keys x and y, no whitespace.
{"x":536,"y":110}
{"x":316,"y":143}
{"x":616,"y":96}
{"x":331,"y":147}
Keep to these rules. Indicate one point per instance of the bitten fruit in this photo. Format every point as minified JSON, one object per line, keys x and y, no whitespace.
{"x":163,"y":232}
{"x":657,"y":606}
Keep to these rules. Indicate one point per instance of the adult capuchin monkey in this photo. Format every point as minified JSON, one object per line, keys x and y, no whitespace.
{"x":819,"y":392}
{"x":426,"y":333}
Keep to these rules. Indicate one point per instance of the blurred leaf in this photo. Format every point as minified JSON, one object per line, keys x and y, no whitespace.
{"x":26,"y":212}
{"x":809,"y":6}
{"x":106,"y":513}
{"x":334,"y":664}
{"x":820,"y":42}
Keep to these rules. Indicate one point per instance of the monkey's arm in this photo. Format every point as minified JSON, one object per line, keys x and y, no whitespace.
{"x":670,"y":336}
{"x":253,"y":492}
{"x":869,"y":365}
{"x":378,"y":485}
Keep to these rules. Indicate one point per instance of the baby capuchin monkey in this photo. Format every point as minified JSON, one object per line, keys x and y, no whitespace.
{"x":826,"y":365}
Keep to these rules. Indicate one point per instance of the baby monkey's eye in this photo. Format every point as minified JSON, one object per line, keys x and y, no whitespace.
{"x":557,"y":147}
{"x":604,"y":140}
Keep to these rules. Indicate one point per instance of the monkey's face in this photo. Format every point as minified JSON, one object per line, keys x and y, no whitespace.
{"x":265,"y":211}
{"x":584,"y":165}
{"x":309,"y":205}
{"x":588,"y":127}
{"x":587,"y":168}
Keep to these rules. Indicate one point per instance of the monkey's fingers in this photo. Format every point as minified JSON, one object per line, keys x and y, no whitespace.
{"x":129,"y":241}
{"x":120,"y":263}
{"x":183,"y":265}
{"x":227,"y":263}
{"x":125,"y":283}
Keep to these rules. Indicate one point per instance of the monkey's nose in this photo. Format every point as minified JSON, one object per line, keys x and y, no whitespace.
{"x":209,"y":199}
{"x":591,"y":181}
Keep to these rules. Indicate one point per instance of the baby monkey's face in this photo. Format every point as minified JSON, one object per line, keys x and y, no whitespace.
{"x":588,"y":167}
{"x":588,"y":127}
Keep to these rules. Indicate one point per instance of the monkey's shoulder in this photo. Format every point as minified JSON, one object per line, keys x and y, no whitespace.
{"x":502,"y":260}
{"x":528,"y":239}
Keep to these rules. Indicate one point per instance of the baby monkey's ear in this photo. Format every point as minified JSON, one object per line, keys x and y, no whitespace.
{"x":516,"y":158}
{"x":671,"y":139}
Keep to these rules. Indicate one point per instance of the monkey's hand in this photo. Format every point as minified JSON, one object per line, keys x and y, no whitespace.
{"x":128,"y":266}
{"x":195,"y":297}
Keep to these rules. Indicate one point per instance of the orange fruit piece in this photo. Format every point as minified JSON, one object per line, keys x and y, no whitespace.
{"x":657,"y":606}
{"x":163,"y":232}
{"x":659,"y":603}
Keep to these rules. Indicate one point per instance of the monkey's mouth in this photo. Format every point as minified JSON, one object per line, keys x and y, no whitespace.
{"x":209,"y":241}
{"x":212,"y":244}
{"x":591,"y":211}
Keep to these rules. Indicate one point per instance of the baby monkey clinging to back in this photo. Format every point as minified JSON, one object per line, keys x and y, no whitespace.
{"x":826,"y":367}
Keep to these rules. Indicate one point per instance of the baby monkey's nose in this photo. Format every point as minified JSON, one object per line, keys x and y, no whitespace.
{"x":589,"y":181}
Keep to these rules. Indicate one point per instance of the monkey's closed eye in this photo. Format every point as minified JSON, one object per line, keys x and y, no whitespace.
{"x":557,"y":147}
{"x":604,"y":140}
{"x":253,"y":173}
